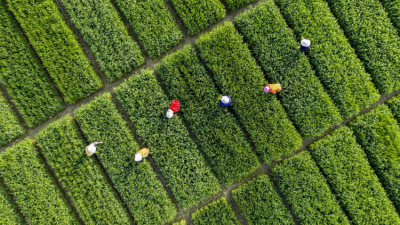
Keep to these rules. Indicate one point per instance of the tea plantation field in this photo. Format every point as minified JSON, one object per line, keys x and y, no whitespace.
{"x":324,"y":150}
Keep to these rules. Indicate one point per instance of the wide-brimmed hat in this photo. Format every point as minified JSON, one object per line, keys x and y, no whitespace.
{"x":138,"y":157}
{"x":305,"y":43}
{"x":92,"y":149}
{"x":225,"y":99}
{"x":170,"y":114}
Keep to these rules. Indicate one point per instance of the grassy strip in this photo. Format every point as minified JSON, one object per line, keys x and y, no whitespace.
{"x":25,"y":80}
{"x":237,"y":74}
{"x":337,"y":65}
{"x":347,"y":170}
{"x":306,"y":191}
{"x":8,"y":214}
{"x":235,"y":4}
{"x":57,"y":47}
{"x":149,"y":203}
{"x":260,"y":204}
{"x":216,"y":213}
{"x":10,"y":127}
{"x":197,"y":15}
{"x":169,"y":142}
{"x":376,"y":41}
{"x":379,"y":135}
{"x":97,"y":20}
{"x":302,"y":95}
{"x":153,"y":24}
{"x":93,"y":197}
{"x":215,"y":128}
{"x":35,"y":192}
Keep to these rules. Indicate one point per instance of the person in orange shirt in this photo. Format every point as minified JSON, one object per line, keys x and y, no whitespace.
{"x":143,"y":153}
{"x":273,"y":88}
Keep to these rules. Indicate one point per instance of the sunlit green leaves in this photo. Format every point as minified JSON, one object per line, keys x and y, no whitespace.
{"x":10,"y":127}
{"x":216,"y":213}
{"x":8,"y":214}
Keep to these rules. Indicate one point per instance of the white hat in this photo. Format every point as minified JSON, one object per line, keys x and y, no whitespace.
{"x":225,"y":99}
{"x":170,"y":114}
{"x":138,"y":157}
{"x":92,"y":149}
{"x":305,"y":43}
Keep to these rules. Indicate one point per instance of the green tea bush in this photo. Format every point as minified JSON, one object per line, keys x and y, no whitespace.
{"x":346,"y":168}
{"x":336,"y":63}
{"x":376,"y":41}
{"x":137,"y":182}
{"x":174,"y":152}
{"x":197,"y":15}
{"x":394,"y":105}
{"x":10,"y":127}
{"x":81,"y":176}
{"x":182,"y":222}
{"x":237,"y":75}
{"x":378,"y":133}
{"x":235,"y":4}
{"x":305,"y":100}
{"x":216,"y":213}
{"x":57,"y":46}
{"x":25,"y":80}
{"x":306,"y":191}
{"x":35,"y":192}
{"x":393,"y":9}
{"x":215,"y":128}
{"x":8,"y":214}
{"x":98,"y":22}
{"x":260,"y":204}
{"x":152,"y":23}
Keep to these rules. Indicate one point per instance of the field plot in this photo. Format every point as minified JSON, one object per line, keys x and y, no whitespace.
{"x":174,"y":152}
{"x":215,"y":128}
{"x":235,"y":4}
{"x":83,"y":179}
{"x":99,"y":23}
{"x":10,"y":127}
{"x":260,"y":204}
{"x":216,"y":213}
{"x":8,"y":214}
{"x":333,"y":58}
{"x":25,"y":80}
{"x":347,"y":170}
{"x":376,"y":41}
{"x":57,"y":46}
{"x":237,"y":75}
{"x":35,"y":191}
{"x":152,"y":23}
{"x":378,"y":133}
{"x":197,"y":15}
{"x":306,"y":191}
{"x":302,"y":95}
{"x":137,"y":182}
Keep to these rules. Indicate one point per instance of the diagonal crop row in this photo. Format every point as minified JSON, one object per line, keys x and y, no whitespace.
{"x":81,"y":176}
{"x":216,"y":213}
{"x":275,"y":48}
{"x":20,"y":71}
{"x":215,"y":128}
{"x":393,"y":9}
{"x":8,"y":214}
{"x":57,"y":47}
{"x":10,"y":126}
{"x":235,"y":4}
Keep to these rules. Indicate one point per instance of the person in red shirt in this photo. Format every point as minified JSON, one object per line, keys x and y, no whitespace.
{"x":173,"y":108}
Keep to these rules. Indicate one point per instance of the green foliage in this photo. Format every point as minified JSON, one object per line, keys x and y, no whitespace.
{"x":57,"y":46}
{"x":235,"y":4}
{"x":215,"y":128}
{"x":10,"y":127}
{"x":25,"y":80}
{"x":149,"y":202}
{"x":376,"y":41}
{"x":216,"y":213}
{"x":237,"y":75}
{"x":336,"y":63}
{"x":103,"y":30}
{"x":81,"y":176}
{"x":302,"y":95}
{"x":393,"y":9}
{"x":198,"y":14}
{"x":260,"y":204}
{"x":306,"y":191}
{"x":347,"y":170}
{"x":36,"y":193}
{"x":394,"y":105}
{"x":174,"y":152}
{"x":379,"y":135}
{"x":152,"y":23}
{"x":182,"y":222}
{"x":8,"y":214}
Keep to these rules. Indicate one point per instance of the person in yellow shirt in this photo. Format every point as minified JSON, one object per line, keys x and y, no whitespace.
{"x":143,"y":153}
{"x":273,"y":88}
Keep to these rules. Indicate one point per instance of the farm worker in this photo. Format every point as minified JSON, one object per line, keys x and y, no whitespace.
{"x":273,"y":88}
{"x":225,"y":101}
{"x":305,"y":44}
{"x":173,"y":108}
{"x":91,"y":149}
{"x":143,"y":153}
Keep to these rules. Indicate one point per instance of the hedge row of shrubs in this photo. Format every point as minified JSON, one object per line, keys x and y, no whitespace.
{"x":8,"y":214}
{"x":216,"y":213}
{"x":10,"y":126}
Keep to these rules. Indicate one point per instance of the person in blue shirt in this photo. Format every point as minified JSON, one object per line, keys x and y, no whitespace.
{"x":305,"y":45}
{"x":225,"y":101}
